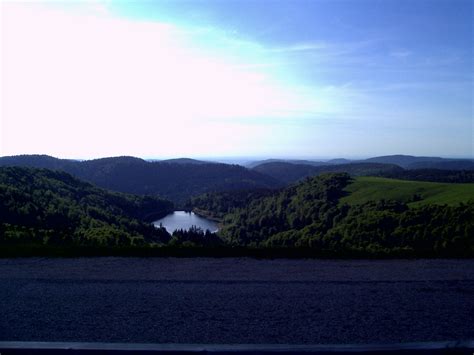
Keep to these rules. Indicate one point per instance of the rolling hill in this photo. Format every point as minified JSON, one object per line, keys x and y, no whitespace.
{"x":401,"y":160}
{"x":414,"y":193}
{"x":444,"y":165}
{"x":256,"y":163}
{"x":414,"y":162}
{"x":312,"y":215}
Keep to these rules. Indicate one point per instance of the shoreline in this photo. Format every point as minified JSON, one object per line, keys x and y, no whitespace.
{"x":207,"y":215}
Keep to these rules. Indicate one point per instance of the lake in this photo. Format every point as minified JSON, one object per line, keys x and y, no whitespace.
{"x":185,"y":220}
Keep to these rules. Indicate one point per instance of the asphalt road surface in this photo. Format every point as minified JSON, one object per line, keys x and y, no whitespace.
{"x":235,"y":300}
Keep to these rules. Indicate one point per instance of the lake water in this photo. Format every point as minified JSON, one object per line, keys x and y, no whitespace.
{"x":185,"y":220}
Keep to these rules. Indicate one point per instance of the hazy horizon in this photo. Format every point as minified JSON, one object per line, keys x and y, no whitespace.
{"x":238,"y":79}
{"x":248,"y":158}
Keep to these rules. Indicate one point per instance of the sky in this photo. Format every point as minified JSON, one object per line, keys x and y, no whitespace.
{"x":202,"y":78}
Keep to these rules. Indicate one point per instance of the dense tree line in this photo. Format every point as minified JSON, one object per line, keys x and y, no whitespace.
{"x":195,"y":237}
{"x":216,"y":205}
{"x":448,"y":164}
{"x":313,"y":201}
{"x":433,"y":175}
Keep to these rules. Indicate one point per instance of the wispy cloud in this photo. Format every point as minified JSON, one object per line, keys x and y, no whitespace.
{"x":99,"y":76}
{"x":401,"y":53}
{"x":79,"y":73}
{"x":300,"y":47}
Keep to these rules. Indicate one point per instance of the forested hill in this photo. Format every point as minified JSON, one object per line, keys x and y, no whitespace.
{"x":309,"y":215}
{"x":289,"y":172}
{"x":216,"y":205}
{"x":174,"y":180}
{"x":44,"y":207}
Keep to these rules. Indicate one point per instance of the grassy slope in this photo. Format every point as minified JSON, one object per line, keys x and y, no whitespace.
{"x":365,"y":189}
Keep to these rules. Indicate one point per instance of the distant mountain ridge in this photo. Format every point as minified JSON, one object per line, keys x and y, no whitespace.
{"x":253,"y":164}
{"x":404,"y":161}
{"x":443,"y":165}
{"x":185,"y":161}
{"x":173,"y":180}
{"x":290,"y":173}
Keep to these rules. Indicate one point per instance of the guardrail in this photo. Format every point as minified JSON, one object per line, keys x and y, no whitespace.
{"x":58,"y":348}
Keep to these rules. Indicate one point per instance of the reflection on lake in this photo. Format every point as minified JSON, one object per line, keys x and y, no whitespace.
{"x":185,"y":220}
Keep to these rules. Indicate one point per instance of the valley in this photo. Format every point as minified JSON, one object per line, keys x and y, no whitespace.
{"x":344,"y":210}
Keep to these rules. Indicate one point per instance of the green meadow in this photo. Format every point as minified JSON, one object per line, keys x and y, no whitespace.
{"x":415,"y":193}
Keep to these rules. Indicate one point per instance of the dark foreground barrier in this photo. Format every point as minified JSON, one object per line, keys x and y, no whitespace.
{"x":35,"y":250}
{"x":58,"y":348}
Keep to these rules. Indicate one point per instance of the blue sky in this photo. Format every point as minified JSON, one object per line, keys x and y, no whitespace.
{"x":238,"y":78}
